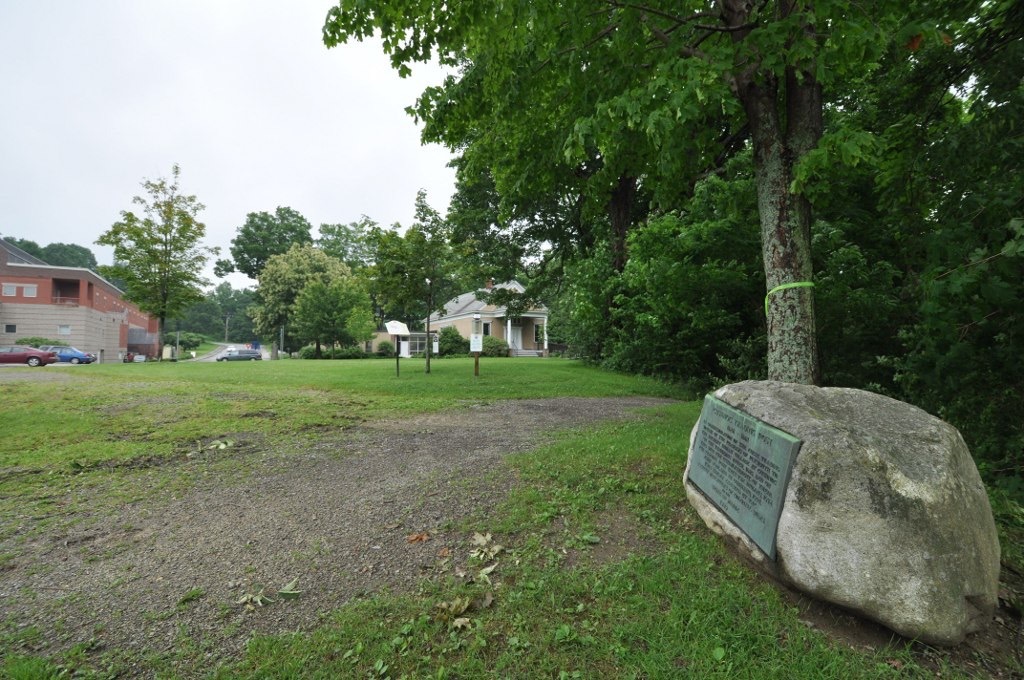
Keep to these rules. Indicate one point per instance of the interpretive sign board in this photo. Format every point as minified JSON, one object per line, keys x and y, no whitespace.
{"x":743,"y":466}
{"x":396,"y":328}
{"x":476,"y":342}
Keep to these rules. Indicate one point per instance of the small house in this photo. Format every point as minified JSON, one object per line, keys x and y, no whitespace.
{"x":525,"y":332}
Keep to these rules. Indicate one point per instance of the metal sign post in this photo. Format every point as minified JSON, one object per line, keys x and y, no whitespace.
{"x":397,"y":329}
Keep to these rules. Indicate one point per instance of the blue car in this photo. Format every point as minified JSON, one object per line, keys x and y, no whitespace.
{"x":69,"y":355}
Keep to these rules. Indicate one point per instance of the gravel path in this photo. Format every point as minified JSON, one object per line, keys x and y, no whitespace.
{"x":337,"y":514}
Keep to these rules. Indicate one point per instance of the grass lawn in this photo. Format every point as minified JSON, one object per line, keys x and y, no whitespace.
{"x":547,"y":595}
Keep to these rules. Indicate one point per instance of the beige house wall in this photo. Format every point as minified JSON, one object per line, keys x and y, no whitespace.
{"x":463,"y":326}
{"x":499,"y":329}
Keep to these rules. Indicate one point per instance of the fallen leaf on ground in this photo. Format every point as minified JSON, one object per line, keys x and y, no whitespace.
{"x":421,"y":537}
{"x":289,"y":592}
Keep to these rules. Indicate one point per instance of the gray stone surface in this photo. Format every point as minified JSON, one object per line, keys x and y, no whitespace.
{"x":885,"y":513}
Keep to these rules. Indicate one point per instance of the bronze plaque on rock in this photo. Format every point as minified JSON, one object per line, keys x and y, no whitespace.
{"x":742,"y":465}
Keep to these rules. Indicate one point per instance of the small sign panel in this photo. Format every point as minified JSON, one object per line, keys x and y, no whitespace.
{"x":396,"y":328}
{"x":743,"y":466}
{"x":476,"y":342}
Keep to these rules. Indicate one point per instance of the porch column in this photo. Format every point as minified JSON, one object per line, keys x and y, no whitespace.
{"x":545,"y":336}
{"x":508,"y":331}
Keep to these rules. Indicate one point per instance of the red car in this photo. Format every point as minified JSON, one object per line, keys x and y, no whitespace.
{"x":18,"y":354}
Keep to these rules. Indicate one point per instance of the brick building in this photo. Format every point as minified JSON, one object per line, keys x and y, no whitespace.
{"x":71,"y":305}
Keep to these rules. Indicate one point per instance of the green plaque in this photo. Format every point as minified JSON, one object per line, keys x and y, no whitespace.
{"x":743,"y":465}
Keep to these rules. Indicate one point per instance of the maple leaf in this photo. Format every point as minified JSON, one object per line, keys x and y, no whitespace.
{"x":421,"y":537}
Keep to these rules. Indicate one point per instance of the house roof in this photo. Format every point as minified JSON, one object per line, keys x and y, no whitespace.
{"x":467,"y":304}
{"x":16,"y":255}
{"x":21,"y":263}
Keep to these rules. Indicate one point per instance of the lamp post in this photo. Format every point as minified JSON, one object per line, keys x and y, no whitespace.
{"x":430,"y":304}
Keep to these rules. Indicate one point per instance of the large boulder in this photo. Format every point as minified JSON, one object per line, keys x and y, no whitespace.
{"x":884,"y":514}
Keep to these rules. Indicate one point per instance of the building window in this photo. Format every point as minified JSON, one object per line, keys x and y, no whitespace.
{"x":418,"y":343}
{"x":64,"y":330}
{"x":487,"y":328}
{"x":10,"y":328}
{"x":10,"y":290}
{"x":29,"y":290}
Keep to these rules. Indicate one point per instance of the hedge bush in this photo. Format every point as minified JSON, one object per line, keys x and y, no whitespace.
{"x":36,"y":341}
{"x":451,"y":343}
{"x":309,"y":352}
{"x":494,"y":347}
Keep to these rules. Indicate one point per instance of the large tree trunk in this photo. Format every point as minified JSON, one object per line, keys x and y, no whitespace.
{"x":785,"y":121}
{"x":620,"y":214}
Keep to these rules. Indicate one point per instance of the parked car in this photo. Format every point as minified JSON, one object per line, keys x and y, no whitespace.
{"x":241,"y":355}
{"x":68,"y":354}
{"x":19,"y":354}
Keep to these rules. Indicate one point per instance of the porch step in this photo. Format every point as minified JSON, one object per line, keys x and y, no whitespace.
{"x":527,"y":352}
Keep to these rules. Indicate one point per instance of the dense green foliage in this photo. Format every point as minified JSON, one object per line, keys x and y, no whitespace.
{"x":314,"y":352}
{"x":36,"y":341}
{"x":222,"y":314}
{"x":348,"y":242}
{"x":58,"y":254}
{"x":494,"y":347}
{"x":335,"y":309}
{"x":415,"y":272}
{"x":261,"y":237}
{"x":333,"y":312}
{"x":451,"y":343}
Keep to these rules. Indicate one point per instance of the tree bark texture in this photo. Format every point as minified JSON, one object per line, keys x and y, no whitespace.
{"x":620,"y":214}
{"x":785,"y":118}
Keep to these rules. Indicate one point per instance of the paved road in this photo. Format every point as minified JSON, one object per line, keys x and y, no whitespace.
{"x":223,"y":347}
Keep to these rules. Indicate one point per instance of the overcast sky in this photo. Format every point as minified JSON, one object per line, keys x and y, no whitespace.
{"x":242,"y":94}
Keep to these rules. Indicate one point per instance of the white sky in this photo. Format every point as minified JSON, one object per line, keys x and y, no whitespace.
{"x":98,"y":96}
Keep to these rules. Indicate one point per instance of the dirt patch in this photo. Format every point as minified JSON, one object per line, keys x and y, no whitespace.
{"x":617,"y":535}
{"x":336,"y":512}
